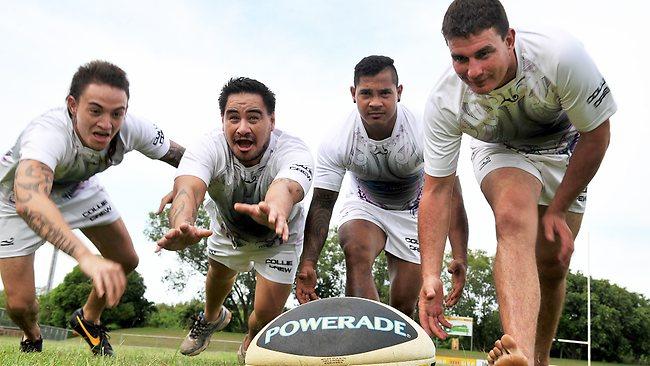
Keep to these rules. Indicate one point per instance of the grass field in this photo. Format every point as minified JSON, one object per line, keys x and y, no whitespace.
{"x":153,"y":346}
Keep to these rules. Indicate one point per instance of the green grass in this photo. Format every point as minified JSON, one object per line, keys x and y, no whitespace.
{"x":156,"y":349}
{"x":75,"y":352}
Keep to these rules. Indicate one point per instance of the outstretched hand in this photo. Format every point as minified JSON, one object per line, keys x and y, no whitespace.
{"x":555,"y":227}
{"x":182,"y":237}
{"x":306,"y":284}
{"x":108,"y":277}
{"x":458,"y":270}
{"x":431,"y":308}
{"x":265,"y":214}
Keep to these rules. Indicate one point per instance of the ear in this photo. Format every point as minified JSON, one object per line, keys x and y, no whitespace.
{"x":510,"y":38}
{"x":72,"y":105}
{"x":272,"y":121}
{"x":353,"y":91}
{"x":399,"y":92}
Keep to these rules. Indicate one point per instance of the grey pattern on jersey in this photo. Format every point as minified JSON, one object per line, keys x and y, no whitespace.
{"x":388,"y":173}
{"x":525,"y":114}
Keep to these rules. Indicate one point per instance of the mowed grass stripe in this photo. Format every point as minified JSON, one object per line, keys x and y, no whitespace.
{"x":76,"y":352}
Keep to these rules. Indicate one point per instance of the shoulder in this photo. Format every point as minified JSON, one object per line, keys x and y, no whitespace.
{"x":445,"y":97}
{"x":550,"y":49}
{"x":287,"y":141}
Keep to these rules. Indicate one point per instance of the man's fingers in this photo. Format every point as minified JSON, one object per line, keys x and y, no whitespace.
{"x":203,"y":233}
{"x":99,"y":286}
{"x":442,"y":320}
{"x":168,"y":198}
{"x":424,"y":320}
{"x":245,"y":208}
{"x":264,"y":208}
{"x":549,"y":231}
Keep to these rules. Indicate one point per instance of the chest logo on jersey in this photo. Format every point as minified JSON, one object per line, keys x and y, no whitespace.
{"x":599,"y":94}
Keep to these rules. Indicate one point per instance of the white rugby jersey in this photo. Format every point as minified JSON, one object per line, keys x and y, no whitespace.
{"x":556,"y":93}
{"x":229,"y":182}
{"x":386,"y":173}
{"x":51,"y":139}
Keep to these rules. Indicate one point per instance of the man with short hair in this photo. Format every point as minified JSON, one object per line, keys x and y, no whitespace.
{"x":380,"y":144}
{"x":255,"y":176}
{"x":538,"y":109}
{"x":48,"y":188}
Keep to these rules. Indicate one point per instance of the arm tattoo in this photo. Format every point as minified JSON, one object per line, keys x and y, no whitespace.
{"x":318,"y":220}
{"x":179,"y":208}
{"x":32,"y":177}
{"x":48,"y":231}
{"x":174,"y":154}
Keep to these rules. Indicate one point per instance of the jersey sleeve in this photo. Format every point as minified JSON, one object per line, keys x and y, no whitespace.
{"x":145,"y":137}
{"x":442,"y":137}
{"x":203,"y":159}
{"x":330,"y":169}
{"x":43,"y":143}
{"x":583,"y":91}
{"x":298,"y":165}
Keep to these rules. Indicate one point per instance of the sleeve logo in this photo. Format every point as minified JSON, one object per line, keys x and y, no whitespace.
{"x":304,"y":169}
{"x":599,"y":94}
{"x":159,"y":139}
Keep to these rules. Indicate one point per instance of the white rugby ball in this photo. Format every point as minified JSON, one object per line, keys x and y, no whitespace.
{"x":342,"y":331}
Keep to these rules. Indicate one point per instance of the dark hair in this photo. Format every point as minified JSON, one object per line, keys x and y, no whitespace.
{"x":246,"y":85}
{"x":98,"y":72}
{"x":469,"y":17}
{"x":373,"y":65}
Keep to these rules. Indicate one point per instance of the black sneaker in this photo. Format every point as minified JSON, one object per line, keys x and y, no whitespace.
{"x":95,"y":334}
{"x":27,"y":345}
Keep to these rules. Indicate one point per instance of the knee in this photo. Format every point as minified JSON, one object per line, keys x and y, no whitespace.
{"x":511,"y":220}
{"x":406,"y":306}
{"x":358,"y":258}
{"x":263,"y":317}
{"x":552,"y":269}
{"x":129,"y":262}
{"x":22,"y":307}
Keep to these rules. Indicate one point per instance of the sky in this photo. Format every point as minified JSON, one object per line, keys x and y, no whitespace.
{"x":178,"y":55}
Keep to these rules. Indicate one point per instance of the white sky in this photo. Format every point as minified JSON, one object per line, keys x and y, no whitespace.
{"x":179,"y":54}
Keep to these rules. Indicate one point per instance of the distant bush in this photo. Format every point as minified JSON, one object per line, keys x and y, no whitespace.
{"x":132,"y":311}
{"x":174,"y":316}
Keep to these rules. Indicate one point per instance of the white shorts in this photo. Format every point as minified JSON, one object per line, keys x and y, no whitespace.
{"x":277,"y":263}
{"x":84,"y":206}
{"x":400,"y":227}
{"x":549,"y":169}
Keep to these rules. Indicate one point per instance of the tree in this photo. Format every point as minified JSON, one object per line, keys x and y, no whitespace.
{"x":478,"y":300}
{"x":58,"y":304}
{"x":620,"y":322}
{"x":194,"y":261}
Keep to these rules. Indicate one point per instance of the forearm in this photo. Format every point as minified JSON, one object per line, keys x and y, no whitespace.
{"x":42,"y":216}
{"x":458,"y":225}
{"x":188,"y":195}
{"x":585,"y":161}
{"x":32,"y":187}
{"x":174,"y":154}
{"x":283,"y":194}
{"x":433,"y":223}
{"x":317,"y":224}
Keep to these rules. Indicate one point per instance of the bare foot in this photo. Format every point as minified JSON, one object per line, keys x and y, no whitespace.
{"x":506,"y":353}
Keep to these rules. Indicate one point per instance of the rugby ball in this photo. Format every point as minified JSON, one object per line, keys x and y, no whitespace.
{"x":342,"y":331}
